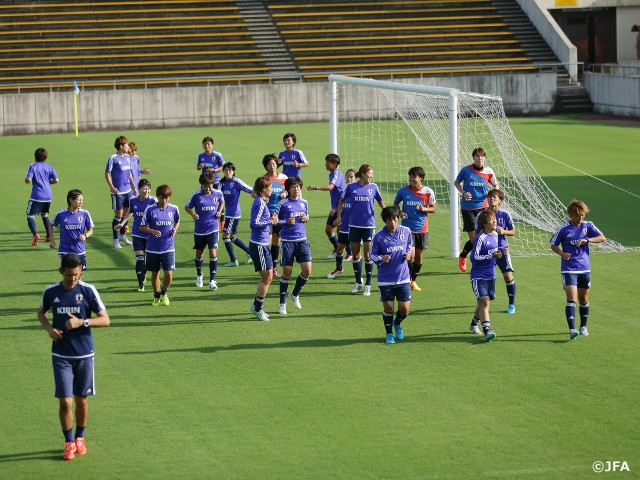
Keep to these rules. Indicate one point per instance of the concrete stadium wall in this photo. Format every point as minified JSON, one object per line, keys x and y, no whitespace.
{"x":39,"y":113}
{"x":614,"y":94}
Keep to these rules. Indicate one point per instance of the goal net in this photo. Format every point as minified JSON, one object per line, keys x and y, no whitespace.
{"x":395,"y":126}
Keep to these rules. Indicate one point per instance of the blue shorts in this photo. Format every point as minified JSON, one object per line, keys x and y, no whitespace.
{"x":484,"y":288}
{"x":231,"y":226}
{"x":73,"y":377}
{"x":343,"y":238}
{"x":261,"y":256}
{"x":400,"y":292}
{"x":201,"y":242}
{"x":83,"y":258}
{"x":581,"y":280}
{"x":332,"y":218}
{"x":139,"y":243}
{"x":358,"y":234}
{"x":165,"y":260}
{"x":35,"y":207}
{"x":301,"y":251}
{"x":119,"y":201}
{"x":504,"y":263}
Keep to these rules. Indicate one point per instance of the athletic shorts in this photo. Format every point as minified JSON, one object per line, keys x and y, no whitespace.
{"x":201,"y":242}
{"x":420,"y":241}
{"x":581,"y":280}
{"x":484,"y":288}
{"x":231,"y":226}
{"x":119,"y":201}
{"x":261,"y":256}
{"x":34,"y":207}
{"x":343,"y":238}
{"x":469,"y":219}
{"x":358,"y":234}
{"x":276,"y":229}
{"x":504,"y":263}
{"x":73,"y":377}
{"x":400,"y":292}
{"x":139,"y":243}
{"x":300,"y":251}
{"x":160,"y":261}
{"x":332,"y":218}
{"x":83,"y":258}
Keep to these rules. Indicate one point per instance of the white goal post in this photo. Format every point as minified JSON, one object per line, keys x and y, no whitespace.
{"x":394,"y":126}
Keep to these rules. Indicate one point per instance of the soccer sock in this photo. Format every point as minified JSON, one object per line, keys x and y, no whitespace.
{"x":199,"y":262}
{"x":123,"y":230}
{"x":284,"y":286}
{"x":68,"y":435}
{"x":240,"y":244}
{"x":301,"y":281}
{"x":156,"y":294}
{"x":511,"y":292}
{"x":486,"y":327}
{"x":357,"y":269}
{"x":140,"y":269}
{"x":415,"y":270}
{"x":31,"y":221}
{"x":114,"y":222}
{"x":339,"y":258}
{"x":570,"y":312}
{"x":163,"y":291}
{"x":466,"y":249}
{"x":400,"y":317}
{"x":368,"y":269}
{"x":474,"y":322}
{"x":80,"y":431}
{"x":387,"y":318}
{"x":47,"y":224}
{"x":258,"y":302}
{"x":334,"y":241}
{"x":275,"y":249}
{"x":228,"y":244}
{"x":584,"y":314}
{"x":213,"y":268}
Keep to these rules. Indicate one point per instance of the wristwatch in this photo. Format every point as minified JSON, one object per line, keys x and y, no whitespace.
{"x":86,"y":322}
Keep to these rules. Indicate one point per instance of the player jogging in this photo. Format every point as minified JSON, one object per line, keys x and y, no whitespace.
{"x":231,"y":187}
{"x":75,"y":227}
{"x":41,"y":176}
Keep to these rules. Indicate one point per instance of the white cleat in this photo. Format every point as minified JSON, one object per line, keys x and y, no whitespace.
{"x":357,"y":287}
{"x":296,"y":300}
{"x":282,"y":309}
{"x":584,"y":332}
{"x":367,"y":290}
{"x":213,"y":285}
{"x":199,"y":282}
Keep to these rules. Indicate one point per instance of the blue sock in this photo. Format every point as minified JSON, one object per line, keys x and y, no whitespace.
{"x":368,"y":269}
{"x":474,"y":322}
{"x":584,"y":314}
{"x":31,"y":221}
{"x":199,"y":262}
{"x":570,"y":312}
{"x":284,"y":286}
{"x":68,"y":435}
{"x":339,"y":258}
{"x":334,"y":241}
{"x":47,"y":224}
{"x":123,"y":230}
{"x":80,"y":431}
{"x":240,"y":244}
{"x":357,"y":269}
{"x":140,"y":269}
{"x":400,"y":317}
{"x":228,"y":244}
{"x":387,"y":318}
{"x":213,"y":268}
{"x":163,"y":291}
{"x":114,"y":222}
{"x":258,"y":303}
{"x":301,"y":281}
{"x":486,"y":326}
{"x":511,"y":292}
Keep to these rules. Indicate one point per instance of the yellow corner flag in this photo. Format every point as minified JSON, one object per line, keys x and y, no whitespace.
{"x":76,"y":91}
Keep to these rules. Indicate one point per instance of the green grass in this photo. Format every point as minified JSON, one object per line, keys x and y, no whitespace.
{"x":202,"y":390}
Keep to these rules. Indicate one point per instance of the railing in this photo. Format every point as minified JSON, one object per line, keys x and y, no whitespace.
{"x":615,"y":69}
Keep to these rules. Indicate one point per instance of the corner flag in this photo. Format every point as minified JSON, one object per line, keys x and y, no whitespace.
{"x":76,"y":91}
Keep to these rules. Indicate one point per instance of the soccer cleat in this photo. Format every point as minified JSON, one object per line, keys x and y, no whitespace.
{"x":156,"y":301}
{"x":199,"y":282}
{"x":335,"y":273}
{"x":141,"y":288}
{"x":399,"y":332}
{"x":348,"y":258}
{"x":248,"y":260}
{"x":584,"y":332}
{"x":490,"y":335}
{"x":48,"y":239}
{"x":81,"y":448}
{"x":275,"y":273}
{"x":296,"y":300}
{"x":116,"y":243}
{"x":367,"y":290}
{"x":332,"y":254}
{"x":414,"y":286}
{"x":357,"y":287}
{"x":462,"y":264}
{"x":475,"y":329}
{"x":213,"y":285}
{"x":232,"y":264}
{"x":573,"y":334}
{"x":36,"y":238}
{"x":260,"y":315}
{"x":164,"y":300}
{"x":69,"y":451}
{"x":512,"y":309}
{"x":282,"y":309}
{"x":390,"y":338}
{"x":125,"y":240}
{"x":126,"y":230}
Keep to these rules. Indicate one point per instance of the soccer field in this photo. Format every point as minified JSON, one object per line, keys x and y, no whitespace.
{"x":201,"y":389}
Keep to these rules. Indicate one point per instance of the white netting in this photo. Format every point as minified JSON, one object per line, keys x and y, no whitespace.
{"x":394,"y":130}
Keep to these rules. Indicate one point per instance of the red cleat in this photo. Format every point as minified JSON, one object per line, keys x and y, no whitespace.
{"x":69,"y":451}
{"x":36,"y":237}
{"x":462,"y":264}
{"x":81,"y":448}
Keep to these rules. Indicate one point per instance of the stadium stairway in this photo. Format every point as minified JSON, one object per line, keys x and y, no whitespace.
{"x":573,"y":99}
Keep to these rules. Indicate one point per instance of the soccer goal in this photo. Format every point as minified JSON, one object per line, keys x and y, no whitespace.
{"x":395,"y":126}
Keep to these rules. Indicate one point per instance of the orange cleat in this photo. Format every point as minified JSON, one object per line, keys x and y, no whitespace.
{"x":462,"y":264}
{"x":415,"y":287}
{"x":81,"y":448}
{"x":69,"y":451}
{"x":36,"y":237}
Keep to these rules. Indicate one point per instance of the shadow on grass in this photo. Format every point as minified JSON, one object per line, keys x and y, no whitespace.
{"x":30,"y":456}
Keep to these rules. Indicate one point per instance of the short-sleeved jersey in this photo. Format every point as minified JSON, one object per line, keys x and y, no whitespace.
{"x":41,"y":175}
{"x":345,"y":216}
{"x":482,"y":262}
{"x":120,"y":169}
{"x":362,"y":198}
{"x":72,"y":225}
{"x":80,"y":301}
{"x":336,"y":178}
{"x":206,"y":207}
{"x":214,"y":160}
{"x":277,"y":187}
{"x":567,"y":236}
{"x":504,"y":221}
{"x":137,"y":208}
{"x":476,"y":182}
{"x":286,"y":159}
{"x":416,"y":221}
{"x":134,"y":160}
{"x":231,"y":190}
{"x":288,"y":208}
{"x":397,"y":244}
{"x":260,"y":221}
{"x":163,"y":220}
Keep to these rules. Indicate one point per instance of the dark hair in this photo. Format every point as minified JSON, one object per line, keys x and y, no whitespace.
{"x":144,"y":183}
{"x":164,"y":191}
{"x":260,"y":185}
{"x":40,"y":155}
{"x":267,"y":158}
{"x":206,"y":178}
{"x":364,"y":168}
{"x":73,"y":194}
{"x":417,"y":172}
{"x":390,"y":212}
{"x":480,"y":151}
{"x":496,"y":192}
{"x":292,"y":136}
{"x":71,"y":261}
{"x":484,"y":216}
{"x":120,"y":141}
{"x":207,"y":139}
{"x":229,"y":166}
{"x":291,"y":181}
{"x":333,"y":158}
